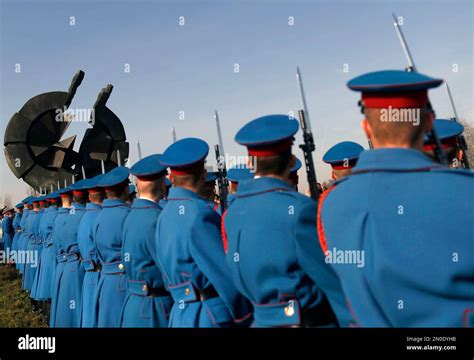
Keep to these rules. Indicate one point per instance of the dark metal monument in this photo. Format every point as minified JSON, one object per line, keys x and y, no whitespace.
{"x":36,"y":152}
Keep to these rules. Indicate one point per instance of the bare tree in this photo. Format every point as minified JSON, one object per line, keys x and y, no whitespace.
{"x":7,"y":200}
{"x":469,"y":136}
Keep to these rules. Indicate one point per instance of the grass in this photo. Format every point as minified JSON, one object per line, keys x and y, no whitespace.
{"x":15,"y":305}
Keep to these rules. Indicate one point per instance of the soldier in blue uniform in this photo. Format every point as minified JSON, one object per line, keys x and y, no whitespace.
{"x":269,"y":235}
{"x":88,"y":252}
{"x":189,"y":250}
{"x":293,"y":177}
{"x":448,"y":131}
{"x":17,"y":227}
{"x":23,"y":240}
{"x":56,"y":237}
{"x":44,"y":274}
{"x":8,"y":231}
{"x":342,"y":157}
{"x":108,"y":234}
{"x":208,"y":190}
{"x":391,"y":213}
{"x":32,"y":258}
{"x":38,"y":245}
{"x":237,"y":174}
{"x":148,"y":303}
{"x":68,"y":307}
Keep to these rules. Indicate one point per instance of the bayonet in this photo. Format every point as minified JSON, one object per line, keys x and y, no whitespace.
{"x":308,"y":140}
{"x":139,"y":150}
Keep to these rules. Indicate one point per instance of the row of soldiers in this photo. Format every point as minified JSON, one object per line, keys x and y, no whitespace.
{"x":390,"y":243}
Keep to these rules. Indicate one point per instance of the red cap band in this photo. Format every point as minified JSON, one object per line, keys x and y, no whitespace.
{"x":79,"y":192}
{"x":65,"y":195}
{"x":94,"y":190}
{"x":344,"y":165}
{"x":400,"y":100}
{"x":272,"y":149}
{"x":188,"y":169}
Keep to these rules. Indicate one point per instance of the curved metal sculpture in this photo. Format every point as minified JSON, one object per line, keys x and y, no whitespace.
{"x":35,"y":152}
{"x":105,"y":140}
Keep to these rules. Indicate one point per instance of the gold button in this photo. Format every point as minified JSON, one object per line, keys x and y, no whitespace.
{"x":289,"y":310}
{"x":187,"y":291}
{"x":145,"y":288}
{"x":120,"y":266}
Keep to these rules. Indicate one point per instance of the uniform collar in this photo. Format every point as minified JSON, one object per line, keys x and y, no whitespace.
{"x":93,"y":206}
{"x":144,"y":202}
{"x":63,"y":210}
{"x":177,"y":192}
{"x":114,"y":202}
{"x":393,"y":159}
{"x":262,"y":184}
{"x":78,"y":205}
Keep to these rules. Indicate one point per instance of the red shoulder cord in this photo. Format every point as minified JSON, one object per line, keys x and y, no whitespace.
{"x":321,"y":234}
{"x":223,"y":233}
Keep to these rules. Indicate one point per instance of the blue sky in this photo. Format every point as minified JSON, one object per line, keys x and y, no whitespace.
{"x":190,"y":68}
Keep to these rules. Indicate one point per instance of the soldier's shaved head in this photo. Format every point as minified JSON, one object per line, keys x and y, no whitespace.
{"x":151,"y":189}
{"x":389,"y":133}
{"x":96,"y":197}
{"x":279,"y":165}
{"x":193,"y":181}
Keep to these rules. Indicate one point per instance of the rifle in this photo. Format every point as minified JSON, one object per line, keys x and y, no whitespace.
{"x":223,"y":183}
{"x":432,"y":135}
{"x":460,"y":138}
{"x":221,"y":178}
{"x":308,"y":141}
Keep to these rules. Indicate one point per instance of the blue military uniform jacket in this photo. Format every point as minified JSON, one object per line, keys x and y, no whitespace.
{"x":68,"y":308}
{"x":7,"y":232}
{"x":22,"y":241}
{"x":412,"y":220}
{"x":275,"y":259}
{"x":60,"y":259}
{"x":85,"y":241}
{"x":142,"y":308}
{"x":112,"y":287}
{"x":30,"y":267}
{"x":17,"y":229}
{"x":191,"y":257}
{"x":44,"y":274}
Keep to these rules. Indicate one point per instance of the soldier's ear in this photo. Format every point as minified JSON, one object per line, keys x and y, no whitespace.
{"x":365,"y":125}
{"x":292,"y":161}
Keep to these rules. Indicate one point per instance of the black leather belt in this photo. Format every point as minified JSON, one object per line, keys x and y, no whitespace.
{"x":207,"y":293}
{"x":157,"y":292}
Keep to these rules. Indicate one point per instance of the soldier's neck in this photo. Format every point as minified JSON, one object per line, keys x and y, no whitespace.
{"x":274,"y":176}
{"x":192,"y":188}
